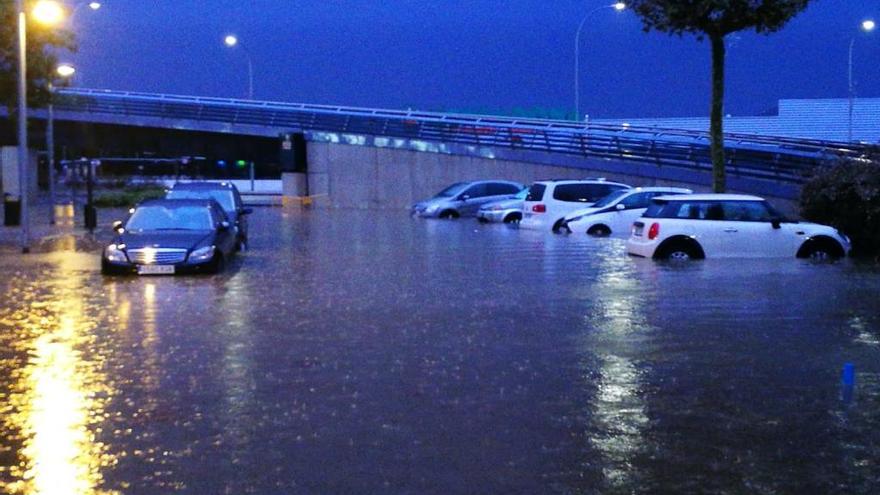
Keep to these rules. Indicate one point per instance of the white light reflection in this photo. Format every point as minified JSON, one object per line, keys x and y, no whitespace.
{"x":619,"y":407}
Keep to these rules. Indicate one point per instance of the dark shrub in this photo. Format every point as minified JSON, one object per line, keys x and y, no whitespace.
{"x":846,"y":195}
{"x":130,"y":195}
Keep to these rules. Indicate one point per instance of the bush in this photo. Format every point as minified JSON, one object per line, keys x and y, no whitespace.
{"x":129,"y":196}
{"x":846,"y":195}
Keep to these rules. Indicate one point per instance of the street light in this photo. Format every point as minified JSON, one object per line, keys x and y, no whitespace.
{"x":231,"y":41}
{"x":867,"y":26}
{"x":618,"y":6}
{"x":65,"y":71}
{"x":45,"y":12}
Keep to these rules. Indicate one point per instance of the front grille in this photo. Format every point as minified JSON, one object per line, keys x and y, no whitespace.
{"x":156,"y":256}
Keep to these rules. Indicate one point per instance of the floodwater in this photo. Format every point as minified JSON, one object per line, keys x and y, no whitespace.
{"x":363,"y":352}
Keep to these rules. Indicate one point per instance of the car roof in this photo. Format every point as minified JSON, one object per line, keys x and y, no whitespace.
{"x":487,"y":181}
{"x":202,"y":186}
{"x":178,"y":203}
{"x":682,"y":190}
{"x":710,"y":197}
{"x":599,"y":180}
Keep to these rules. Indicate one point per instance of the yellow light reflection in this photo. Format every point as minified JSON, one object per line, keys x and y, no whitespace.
{"x":59,"y":398}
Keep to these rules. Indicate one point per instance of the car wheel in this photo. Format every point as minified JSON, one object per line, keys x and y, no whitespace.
{"x":679,"y":251}
{"x":218,"y":264}
{"x":513,"y":218}
{"x":599,"y":231}
{"x":448,"y":214}
{"x":821,"y":251}
{"x":106,"y":268}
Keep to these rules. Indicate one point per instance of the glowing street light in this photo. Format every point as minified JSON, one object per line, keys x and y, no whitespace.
{"x":231,"y":41}
{"x":618,"y":6}
{"x":65,"y":70}
{"x":867,"y":26}
{"x":48,"y":12}
{"x":94,"y":5}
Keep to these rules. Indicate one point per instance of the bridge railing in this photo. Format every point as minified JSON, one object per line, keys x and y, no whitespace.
{"x":774,"y":158}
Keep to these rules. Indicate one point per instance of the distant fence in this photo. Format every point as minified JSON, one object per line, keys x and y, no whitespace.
{"x":779,"y":159}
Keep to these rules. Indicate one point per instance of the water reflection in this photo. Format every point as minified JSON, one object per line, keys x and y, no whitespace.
{"x":619,"y":330}
{"x":60,"y":395}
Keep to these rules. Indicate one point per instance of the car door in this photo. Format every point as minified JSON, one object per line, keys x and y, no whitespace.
{"x":704,"y":221}
{"x":630,"y":208}
{"x":471,"y":199}
{"x":225,"y":240}
{"x":755,"y":233}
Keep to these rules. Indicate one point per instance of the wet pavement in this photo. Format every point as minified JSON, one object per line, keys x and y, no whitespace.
{"x":364,"y":352}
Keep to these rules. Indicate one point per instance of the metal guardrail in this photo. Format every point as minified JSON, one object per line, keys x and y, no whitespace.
{"x":781,"y":159}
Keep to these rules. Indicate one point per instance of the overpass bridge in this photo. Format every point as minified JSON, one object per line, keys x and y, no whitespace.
{"x":363,"y":157}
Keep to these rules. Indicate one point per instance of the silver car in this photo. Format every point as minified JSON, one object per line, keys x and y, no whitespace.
{"x":464,"y":199}
{"x":506,"y":210}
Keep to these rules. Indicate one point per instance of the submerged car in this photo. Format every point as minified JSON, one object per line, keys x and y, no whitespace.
{"x":505,"y":210}
{"x":696,"y":226}
{"x":463,"y":199}
{"x":614,"y":214}
{"x":549,"y":201}
{"x":169,"y":236}
{"x":227,"y":195}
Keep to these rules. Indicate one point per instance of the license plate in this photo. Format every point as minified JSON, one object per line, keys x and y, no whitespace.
{"x":637,"y":229}
{"x":155,"y":269}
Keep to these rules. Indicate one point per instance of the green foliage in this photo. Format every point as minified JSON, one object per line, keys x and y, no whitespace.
{"x":846,"y":195}
{"x":42,"y":47}
{"x":130,"y":196}
{"x":716,"y":19}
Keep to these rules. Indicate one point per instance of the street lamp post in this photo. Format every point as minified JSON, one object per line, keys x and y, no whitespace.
{"x":867,"y":26}
{"x":22,"y":126}
{"x":232,"y":41}
{"x":45,"y":12}
{"x":65,"y":71}
{"x":618,"y":6}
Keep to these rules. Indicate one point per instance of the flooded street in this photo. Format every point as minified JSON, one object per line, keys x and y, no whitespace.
{"x":364,"y":352}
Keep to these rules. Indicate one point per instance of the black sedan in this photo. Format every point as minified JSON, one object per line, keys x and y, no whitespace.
{"x":226,"y":194}
{"x":168,"y":236}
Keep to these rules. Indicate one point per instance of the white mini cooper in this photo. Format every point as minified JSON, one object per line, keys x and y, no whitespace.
{"x":728,"y":225}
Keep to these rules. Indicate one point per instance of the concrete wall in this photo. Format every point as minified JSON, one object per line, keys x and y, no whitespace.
{"x":362,"y":176}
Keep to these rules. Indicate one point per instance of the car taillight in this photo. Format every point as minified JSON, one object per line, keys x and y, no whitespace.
{"x":539,"y":208}
{"x":654,"y":231}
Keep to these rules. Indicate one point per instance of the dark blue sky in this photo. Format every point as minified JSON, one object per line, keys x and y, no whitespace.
{"x":475,"y":54}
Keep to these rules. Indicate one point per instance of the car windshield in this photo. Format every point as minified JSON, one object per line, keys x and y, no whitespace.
{"x":451,"y":190}
{"x":611,"y":198}
{"x":223,"y":196}
{"x":158,"y":217}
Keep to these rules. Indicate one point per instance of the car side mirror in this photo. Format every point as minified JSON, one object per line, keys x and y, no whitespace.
{"x":224,"y":225}
{"x":777,"y":223}
{"x":117,"y":226}
{"x":247,"y":211}
{"x":620,"y":206}
{"x":464,"y":197}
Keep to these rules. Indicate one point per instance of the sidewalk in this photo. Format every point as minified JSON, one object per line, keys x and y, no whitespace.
{"x":68,"y":233}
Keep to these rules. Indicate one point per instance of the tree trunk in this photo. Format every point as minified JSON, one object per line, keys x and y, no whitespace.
{"x":716,"y":129}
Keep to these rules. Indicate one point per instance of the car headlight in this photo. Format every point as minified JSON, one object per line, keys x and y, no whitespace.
{"x":431,"y":208}
{"x":114,"y":252}
{"x":202,"y":254}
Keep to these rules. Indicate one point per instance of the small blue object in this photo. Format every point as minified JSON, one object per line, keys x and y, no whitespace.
{"x":849,"y":375}
{"x":221,"y":163}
